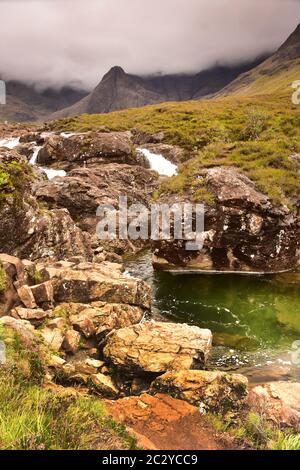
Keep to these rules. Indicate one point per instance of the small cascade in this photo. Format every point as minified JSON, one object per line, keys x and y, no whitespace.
{"x":50,"y":172}
{"x":159,"y":163}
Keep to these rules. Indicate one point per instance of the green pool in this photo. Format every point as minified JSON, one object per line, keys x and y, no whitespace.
{"x":254,"y":320}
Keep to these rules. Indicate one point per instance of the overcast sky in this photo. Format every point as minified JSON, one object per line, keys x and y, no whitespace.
{"x":61,"y":41}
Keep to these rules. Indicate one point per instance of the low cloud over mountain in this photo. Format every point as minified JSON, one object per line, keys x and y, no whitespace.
{"x":61,"y":42}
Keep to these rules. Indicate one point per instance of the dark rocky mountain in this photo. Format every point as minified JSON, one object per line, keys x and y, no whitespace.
{"x":119,"y":90}
{"x":25,"y":103}
{"x":275,"y":75}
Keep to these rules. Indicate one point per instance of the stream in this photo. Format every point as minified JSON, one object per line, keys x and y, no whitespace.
{"x":254,"y":320}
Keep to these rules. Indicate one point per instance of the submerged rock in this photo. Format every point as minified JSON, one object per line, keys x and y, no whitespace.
{"x":154,"y":347}
{"x":212,"y":391}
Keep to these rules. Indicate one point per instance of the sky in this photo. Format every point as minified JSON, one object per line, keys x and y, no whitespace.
{"x":58,"y":42}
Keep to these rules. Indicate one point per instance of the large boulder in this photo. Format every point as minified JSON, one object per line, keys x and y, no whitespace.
{"x":154,"y":347}
{"x":87,"y":148}
{"x":278,"y":401}
{"x":244,"y":231}
{"x":37,"y":232}
{"x":84,"y":189}
{"x":92,"y":282}
{"x":212,"y":391}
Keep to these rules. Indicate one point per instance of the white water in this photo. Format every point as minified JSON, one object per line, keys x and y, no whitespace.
{"x":10,"y":143}
{"x":66,"y":135}
{"x":33,"y":159}
{"x":159,"y":163}
{"x":50,"y":172}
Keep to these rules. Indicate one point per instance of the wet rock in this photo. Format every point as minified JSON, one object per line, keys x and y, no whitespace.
{"x":88,"y":148}
{"x":154,"y":347}
{"x":243,"y":230}
{"x":212,"y":391}
{"x":279,"y":402}
{"x":104,"y":385}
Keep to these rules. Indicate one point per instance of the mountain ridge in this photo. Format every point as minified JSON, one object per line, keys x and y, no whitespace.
{"x":120,"y":90}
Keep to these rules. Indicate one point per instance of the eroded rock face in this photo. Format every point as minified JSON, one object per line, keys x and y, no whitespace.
{"x":243,"y":230}
{"x":212,"y":391}
{"x":155,"y":347}
{"x":87,"y":148}
{"x":84,"y":189}
{"x":28,"y":230}
{"x":278,"y":401}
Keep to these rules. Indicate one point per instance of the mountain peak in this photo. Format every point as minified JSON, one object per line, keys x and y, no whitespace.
{"x":115,"y":72}
{"x":291,"y":47}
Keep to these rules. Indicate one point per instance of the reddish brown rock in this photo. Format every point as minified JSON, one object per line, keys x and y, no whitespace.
{"x":278,"y":401}
{"x":71,"y":341}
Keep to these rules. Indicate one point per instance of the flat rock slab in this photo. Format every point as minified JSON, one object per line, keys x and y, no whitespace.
{"x":155,"y":347}
{"x":164,"y":423}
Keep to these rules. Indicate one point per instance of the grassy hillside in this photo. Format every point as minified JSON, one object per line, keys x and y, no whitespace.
{"x":272,"y":77}
{"x":256,"y":134}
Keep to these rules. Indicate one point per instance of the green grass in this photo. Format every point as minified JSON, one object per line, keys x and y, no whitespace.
{"x":254,"y":431}
{"x":257,"y":135}
{"x":35,"y":417}
{"x":14,"y":177}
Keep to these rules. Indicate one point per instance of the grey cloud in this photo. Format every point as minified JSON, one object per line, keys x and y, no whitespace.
{"x":60,"y":41}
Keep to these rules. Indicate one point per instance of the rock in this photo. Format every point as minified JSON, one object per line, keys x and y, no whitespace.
{"x":211,"y":391}
{"x":104,"y":385}
{"x":37,"y":233}
{"x":36,"y":316}
{"x":161,"y":422}
{"x":22,"y":327}
{"x":56,"y":362}
{"x":71,"y":341}
{"x":243,"y":230}
{"x":279,"y":402}
{"x":85,"y":367}
{"x":88,"y":148}
{"x":84,"y":189}
{"x":53,"y":337}
{"x":100,"y":318}
{"x":26,"y":296}
{"x":43,"y":293}
{"x":173,"y":153}
{"x":154,"y":347}
{"x":98,"y":282}
{"x":58,"y":322}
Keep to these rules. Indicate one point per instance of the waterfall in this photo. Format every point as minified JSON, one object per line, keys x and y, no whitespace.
{"x":159,"y":163}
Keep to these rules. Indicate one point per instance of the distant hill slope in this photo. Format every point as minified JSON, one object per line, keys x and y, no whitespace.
{"x":275,"y":75}
{"x":119,"y":90}
{"x":25,"y":103}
